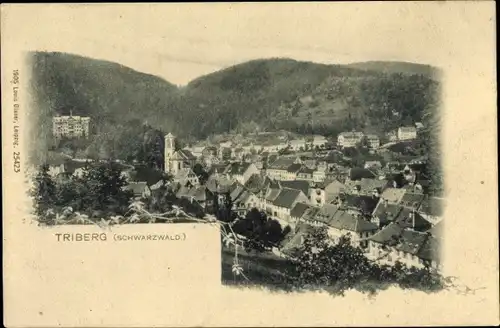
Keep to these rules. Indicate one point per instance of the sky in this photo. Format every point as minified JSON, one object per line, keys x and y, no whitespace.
{"x":180,"y":42}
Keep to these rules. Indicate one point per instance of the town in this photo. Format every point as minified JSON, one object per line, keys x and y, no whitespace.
{"x":374,"y":188}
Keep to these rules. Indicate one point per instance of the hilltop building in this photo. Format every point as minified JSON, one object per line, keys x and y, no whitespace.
{"x":70,"y":126}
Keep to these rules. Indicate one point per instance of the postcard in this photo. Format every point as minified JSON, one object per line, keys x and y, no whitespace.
{"x":249,"y":164}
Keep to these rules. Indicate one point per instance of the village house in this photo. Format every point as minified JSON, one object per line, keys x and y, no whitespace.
{"x":218,"y":170}
{"x":237,"y":153}
{"x":309,"y":162}
{"x":186,"y":175}
{"x":373,"y":141}
{"x":359,"y":229}
{"x":358,"y":173}
{"x":358,"y":204}
{"x":385,"y":213}
{"x":392,"y":195}
{"x":392,"y":136}
{"x":301,"y":185}
{"x":249,"y":199}
{"x":279,"y":169}
{"x":297,"y":144}
{"x":407,"y":133}
{"x":322,"y":216}
{"x":412,"y":200}
{"x":267,"y":197}
{"x":291,"y":172}
{"x":319,"y":175}
{"x":297,"y":213}
{"x":410,"y":218}
{"x":219,"y":185}
{"x":274,"y":145}
{"x":367,"y":187}
{"x":340,"y":223}
{"x":319,"y":141}
{"x":196,"y":150}
{"x":333,"y":189}
{"x":284,"y":202}
{"x":198,"y":194}
{"x":139,"y":189}
{"x":209,"y":156}
{"x":241,"y":172}
{"x":305,"y":173}
{"x":349,"y":139}
{"x":257,"y":183}
{"x":56,"y":167}
{"x":398,"y":244}
{"x":256,"y":160}
{"x":376,"y":165}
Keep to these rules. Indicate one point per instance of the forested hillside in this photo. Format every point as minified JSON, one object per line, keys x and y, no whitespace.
{"x":262,"y":94}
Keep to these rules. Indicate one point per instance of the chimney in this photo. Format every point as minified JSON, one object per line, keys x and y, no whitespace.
{"x":386,"y":202}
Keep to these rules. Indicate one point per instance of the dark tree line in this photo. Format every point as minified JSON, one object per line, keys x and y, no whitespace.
{"x":340,"y":267}
{"x":100,"y":190}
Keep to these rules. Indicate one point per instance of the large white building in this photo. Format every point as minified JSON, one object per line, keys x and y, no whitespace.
{"x":70,"y":126}
{"x":349,"y":139}
{"x":407,"y":133}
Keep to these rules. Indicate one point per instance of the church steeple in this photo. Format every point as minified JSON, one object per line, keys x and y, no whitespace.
{"x":169,"y":152}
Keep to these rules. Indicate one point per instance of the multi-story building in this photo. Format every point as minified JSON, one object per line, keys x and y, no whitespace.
{"x":349,"y":139}
{"x":318,"y":141}
{"x":407,"y":133}
{"x":297,"y":144}
{"x":373,"y":141}
{"x":70,"y":126}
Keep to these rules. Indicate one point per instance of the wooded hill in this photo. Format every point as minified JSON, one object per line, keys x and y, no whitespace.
{"x":265,"y":94}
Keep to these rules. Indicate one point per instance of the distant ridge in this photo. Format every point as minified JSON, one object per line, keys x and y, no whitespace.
{"x":277,"y":93}
{"x":398,"y":67}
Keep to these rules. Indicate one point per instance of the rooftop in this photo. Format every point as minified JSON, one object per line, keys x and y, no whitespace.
{"x":406,"y":240}
{"x":299,"y":209}
{"x":294,"y":168}
{"x":301,"y":185}
{"x":238,"y":168}
{"x":346,"y":221}
{"x":286,"y":197}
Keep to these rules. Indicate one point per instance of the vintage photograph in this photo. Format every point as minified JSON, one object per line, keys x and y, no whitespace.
{"x":319,"y":176}
{"x":249,"y":164}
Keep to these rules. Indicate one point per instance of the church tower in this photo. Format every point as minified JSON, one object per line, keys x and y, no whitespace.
{"x":169,"y":152}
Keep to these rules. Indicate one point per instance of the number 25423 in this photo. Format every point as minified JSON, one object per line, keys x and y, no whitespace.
{"x":17,"y":162}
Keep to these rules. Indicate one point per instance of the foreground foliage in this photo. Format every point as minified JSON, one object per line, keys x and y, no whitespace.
{"x":339,"y":267}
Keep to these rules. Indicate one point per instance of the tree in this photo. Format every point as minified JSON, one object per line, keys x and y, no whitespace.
{"x":261,"y":232}
{"x":339,"y":266}
{"x":336,"y":267}
{"x":44,"y":191}
{"x":101,"y":188}
{"x":200,"y":173}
